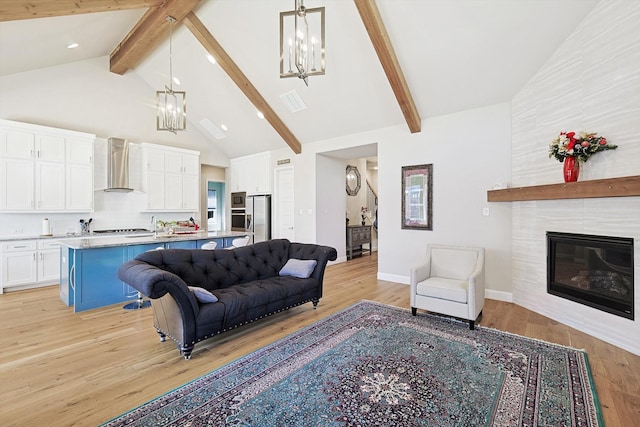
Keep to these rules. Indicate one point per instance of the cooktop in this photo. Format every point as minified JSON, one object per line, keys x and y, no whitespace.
{"x":123,"y":231}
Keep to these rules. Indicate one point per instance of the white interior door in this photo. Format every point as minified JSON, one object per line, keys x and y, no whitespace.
{"x":284,"y":215}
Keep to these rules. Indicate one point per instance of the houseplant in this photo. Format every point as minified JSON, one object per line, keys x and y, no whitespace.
{"x":571,"y":149}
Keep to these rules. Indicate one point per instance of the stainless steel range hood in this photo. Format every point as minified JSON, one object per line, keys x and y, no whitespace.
{"x":118,"y":166}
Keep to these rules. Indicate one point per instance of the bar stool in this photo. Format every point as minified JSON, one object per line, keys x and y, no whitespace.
{"x":140,"y":302}
{"x":209,"y":246}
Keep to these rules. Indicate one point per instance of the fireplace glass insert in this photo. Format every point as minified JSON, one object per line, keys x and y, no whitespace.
{"x":596,"y":271}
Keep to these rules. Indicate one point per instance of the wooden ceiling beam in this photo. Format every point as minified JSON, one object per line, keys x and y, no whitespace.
{"x":212,"y":46}
{"x":148,"y":32}
{"x":14,"y":10}
{"x":372,"y":20}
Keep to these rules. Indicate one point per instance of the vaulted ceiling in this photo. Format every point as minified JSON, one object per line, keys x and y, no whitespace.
{"x":389,"y":62}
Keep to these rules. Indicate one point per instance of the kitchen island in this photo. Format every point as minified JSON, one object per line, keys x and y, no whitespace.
{"x":89,"y":265}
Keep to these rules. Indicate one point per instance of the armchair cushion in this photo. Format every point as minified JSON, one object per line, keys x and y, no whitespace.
{"x":448,"y":289}
{"x":453,"y":263}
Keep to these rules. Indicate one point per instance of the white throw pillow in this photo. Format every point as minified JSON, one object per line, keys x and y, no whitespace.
{"x":301,"y":268}
{"x":202,"y":294}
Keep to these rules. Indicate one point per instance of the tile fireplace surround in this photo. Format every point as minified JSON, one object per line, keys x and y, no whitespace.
{"x":590,"y":83}
{"x":607,"y":216}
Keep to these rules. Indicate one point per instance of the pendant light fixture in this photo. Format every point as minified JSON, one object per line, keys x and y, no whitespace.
{"x":302,"y":42}
{"x":171,"y":105}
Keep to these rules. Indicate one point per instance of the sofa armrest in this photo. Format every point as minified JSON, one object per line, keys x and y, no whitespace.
{"x":154,"y":282}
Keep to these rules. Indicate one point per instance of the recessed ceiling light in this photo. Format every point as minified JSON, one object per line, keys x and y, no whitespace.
{"x":72,"y":45}
{"x":224,"y":127}
{"x":176,"y":80}
{"x":260,"y":115}
{"x":211,"y":58}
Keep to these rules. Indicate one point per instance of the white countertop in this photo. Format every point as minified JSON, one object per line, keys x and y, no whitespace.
{"x":100,"y":241}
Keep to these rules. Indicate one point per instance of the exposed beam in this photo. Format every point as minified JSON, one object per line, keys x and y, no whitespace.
{"x":13,"y":10}
{"x":378,"y":34}
{"x":212,"y":46}
{"x":147,"y":34}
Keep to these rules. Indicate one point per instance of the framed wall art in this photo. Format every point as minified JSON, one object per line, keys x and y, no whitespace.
{"x":417,"y":197}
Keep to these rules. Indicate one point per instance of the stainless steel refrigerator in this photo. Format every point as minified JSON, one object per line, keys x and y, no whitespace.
{"x":258,"y":211}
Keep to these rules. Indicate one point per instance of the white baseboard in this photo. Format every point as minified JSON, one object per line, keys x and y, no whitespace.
{"x":394,"y":278}
{"x":498,"y":295}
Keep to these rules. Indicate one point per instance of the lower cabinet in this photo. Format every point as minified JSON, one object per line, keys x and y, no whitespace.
{"x":48,"y":260}
{"x":95,"y":277}
{"x":19,"y":265}
{"x":29,"y":262}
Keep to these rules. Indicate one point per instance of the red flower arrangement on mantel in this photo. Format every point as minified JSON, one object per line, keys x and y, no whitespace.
{"x":571,"y":149}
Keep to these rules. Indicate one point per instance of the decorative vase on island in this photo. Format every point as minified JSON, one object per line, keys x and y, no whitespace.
{"x":570,"y":169}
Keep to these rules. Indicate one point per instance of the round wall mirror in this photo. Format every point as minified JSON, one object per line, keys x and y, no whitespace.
{"x":353,"y":180}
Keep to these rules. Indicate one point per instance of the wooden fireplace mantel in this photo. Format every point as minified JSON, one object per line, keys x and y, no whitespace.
{"x":626,"y":186}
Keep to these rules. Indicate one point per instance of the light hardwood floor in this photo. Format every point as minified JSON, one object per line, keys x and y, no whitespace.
{"x":58,"y":368}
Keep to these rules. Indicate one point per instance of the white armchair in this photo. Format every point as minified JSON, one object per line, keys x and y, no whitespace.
{"x":450,"y":281}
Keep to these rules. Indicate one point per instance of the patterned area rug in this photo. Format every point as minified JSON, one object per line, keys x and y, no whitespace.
{"x":377,"y":365}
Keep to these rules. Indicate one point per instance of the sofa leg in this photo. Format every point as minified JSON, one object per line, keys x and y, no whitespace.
{"x":186,"y":350}
{"x":472,"y":324}
{"x":315,"y":302}
{"x":414,"y":311}
{"x":163,"y":337}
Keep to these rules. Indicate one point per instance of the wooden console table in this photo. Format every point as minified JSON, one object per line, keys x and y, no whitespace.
{"x":358,"y":235}
{"x":627,"y":186}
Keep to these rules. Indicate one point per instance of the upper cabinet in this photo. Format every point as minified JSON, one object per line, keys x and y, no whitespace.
{"x":251,"y":174}
{"x":171,"y":178}
{"x":45,"y":169}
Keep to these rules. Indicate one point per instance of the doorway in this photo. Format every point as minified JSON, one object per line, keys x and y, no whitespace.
{"x":215,"y":206}
{"x":283,"y":206}
{"x":334,"y":205}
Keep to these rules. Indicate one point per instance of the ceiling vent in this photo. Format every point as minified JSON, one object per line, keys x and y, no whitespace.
{"x":212,"y":129}
{"x":293,"y":101}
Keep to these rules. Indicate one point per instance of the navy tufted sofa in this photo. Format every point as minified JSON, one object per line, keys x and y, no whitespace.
{"x":245,"y":280}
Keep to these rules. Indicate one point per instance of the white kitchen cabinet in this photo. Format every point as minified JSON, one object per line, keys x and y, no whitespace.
{"x":189,"y":180}
{"x":16,"y":143}
{"x":79,"y":188}
{"x":48,"y":261}
{"x":251,"y":174}
{"x":19,"y":263}
{"x":39,"y":169}
{"x":29,"y":262}
{"x":50,"y":186}
{"x":79,"y":175}
{"x":50,"y":148}
{"x":171,"y":178}
{"x":17,"y":184}
{"x":191,"y":192}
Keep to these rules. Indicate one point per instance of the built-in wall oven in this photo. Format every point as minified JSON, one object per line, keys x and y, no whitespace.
{"x":238,"y":211}
{"x":238,"y":220}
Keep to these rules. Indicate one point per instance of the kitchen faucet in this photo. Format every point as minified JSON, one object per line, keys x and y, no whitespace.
{"x":153,"y":222}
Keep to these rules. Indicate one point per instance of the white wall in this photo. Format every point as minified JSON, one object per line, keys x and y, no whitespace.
{"x":85,"y":96}
{"x":591,"y":83}
{"x":331,"y":204}
{"x":470,"y":152}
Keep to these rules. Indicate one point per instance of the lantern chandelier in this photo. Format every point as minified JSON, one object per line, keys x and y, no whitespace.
{"x":171,"y":105}
{"x":302,"y":42}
